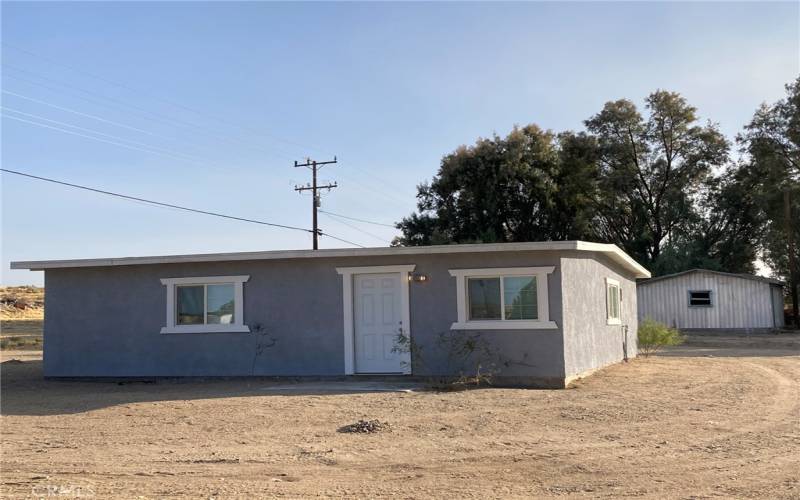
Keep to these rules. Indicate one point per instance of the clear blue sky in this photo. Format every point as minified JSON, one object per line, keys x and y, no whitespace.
{"x":388,"y":87}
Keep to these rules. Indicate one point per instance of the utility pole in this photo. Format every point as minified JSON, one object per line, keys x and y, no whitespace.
{"x":313,"y":187}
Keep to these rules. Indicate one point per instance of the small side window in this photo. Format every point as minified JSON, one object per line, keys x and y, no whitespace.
{"x":700,"y":298}
{"x":613,"y":302}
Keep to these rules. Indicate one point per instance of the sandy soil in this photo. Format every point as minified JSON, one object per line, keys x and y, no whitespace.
{"x":710,"y":419}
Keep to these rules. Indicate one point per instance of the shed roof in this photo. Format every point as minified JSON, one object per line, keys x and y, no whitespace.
{"x":611,"y":251}
{"x":721,"y":273}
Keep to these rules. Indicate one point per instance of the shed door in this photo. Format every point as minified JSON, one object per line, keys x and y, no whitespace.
{"x":377,"y":322}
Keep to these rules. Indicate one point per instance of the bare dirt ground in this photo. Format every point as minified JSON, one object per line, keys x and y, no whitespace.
{"x":718,"y":418}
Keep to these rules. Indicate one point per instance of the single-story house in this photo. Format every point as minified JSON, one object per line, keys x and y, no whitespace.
{"x":548,"y":311}
{"x":700,"y":299}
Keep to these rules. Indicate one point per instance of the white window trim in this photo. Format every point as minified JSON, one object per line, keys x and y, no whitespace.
{"x":543,"y":305}
{"x":609,"y":320}
{"x":237,"y":326}
{"x":347,"y":311}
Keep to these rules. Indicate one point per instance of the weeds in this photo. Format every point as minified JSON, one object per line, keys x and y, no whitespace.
{"x":654,"y":335}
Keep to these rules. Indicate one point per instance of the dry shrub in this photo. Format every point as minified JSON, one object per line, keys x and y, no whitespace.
{"x":654,"y":335}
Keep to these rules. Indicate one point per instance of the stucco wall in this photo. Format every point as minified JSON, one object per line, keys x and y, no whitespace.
{"x":737,"y":302}
{"x":589,"y":342}
{"x":106,"y":321}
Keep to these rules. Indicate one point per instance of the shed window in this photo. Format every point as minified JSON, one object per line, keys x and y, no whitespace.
{"x":205,"y":305}
{"x":700,"y":298}
{"x":502,"y":298}
{"x":613,"y":302}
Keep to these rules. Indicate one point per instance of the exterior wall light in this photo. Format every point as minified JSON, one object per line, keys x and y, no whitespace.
{"x":419,"y":278}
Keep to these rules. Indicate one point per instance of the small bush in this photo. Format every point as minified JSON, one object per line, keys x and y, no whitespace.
{"x":654,"y":335}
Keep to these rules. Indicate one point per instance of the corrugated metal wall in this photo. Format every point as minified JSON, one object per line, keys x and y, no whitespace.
{"x":777,"y":304}
{"x":737,"y":302}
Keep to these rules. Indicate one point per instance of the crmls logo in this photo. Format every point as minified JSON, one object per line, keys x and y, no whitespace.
{"x":62,"y":490}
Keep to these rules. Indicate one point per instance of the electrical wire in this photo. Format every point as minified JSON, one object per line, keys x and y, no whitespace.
{"x":91,"y":131}
{"x":159,"y":98}
{"x":358,"y":220}
{"x":152,"y":202}
{"x":10,"y":117}
{"x":371,"y":189}
{"x":321,"y":233}
{"x":214,"y":134}
{"x":87,"y":115}
{"x":176,"y":207}
{"x":357,"y":229}
{"x":179,"y":105}
{"x":149,"y":115}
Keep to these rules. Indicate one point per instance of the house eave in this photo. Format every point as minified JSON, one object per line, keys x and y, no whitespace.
{"x":612,"y":251}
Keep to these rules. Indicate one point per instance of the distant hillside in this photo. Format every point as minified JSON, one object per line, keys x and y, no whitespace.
{"x":21,"y":302}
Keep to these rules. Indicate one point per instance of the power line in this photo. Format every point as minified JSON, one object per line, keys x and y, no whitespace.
{"x":159,"y":98}
{"x":181,"y":123}
{"x":321,"y":233}
{"x":69,"y":110}
{"x":121,"y":105}
{"x":352,"y":226}
{"x":91,"y":131}
{"x":358,"y":220}
{"x":91,"y":137}
{"x":215,"y":134}
{"x":175,"y":207}
{"x":158,"y":203}
{"x":147,"y":148}
{"x":167,"y":101}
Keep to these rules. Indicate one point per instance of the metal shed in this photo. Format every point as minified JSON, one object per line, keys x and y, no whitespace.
{"x":701,"y":299}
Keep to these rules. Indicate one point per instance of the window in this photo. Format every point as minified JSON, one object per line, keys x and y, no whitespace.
{"x":205,"y":305}
{"x":504,"y":298}
{"x":700,"y":298}
{"x":613,"y":302}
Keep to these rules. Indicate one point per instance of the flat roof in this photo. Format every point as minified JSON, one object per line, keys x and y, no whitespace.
{"x":611,"y":251}
{"x":709,"y":271}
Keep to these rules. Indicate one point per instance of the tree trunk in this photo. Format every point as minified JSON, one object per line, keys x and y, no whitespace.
{"x":793,"y":275}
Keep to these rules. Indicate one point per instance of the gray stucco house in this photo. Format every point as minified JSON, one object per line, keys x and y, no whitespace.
{"x":551,"y":311}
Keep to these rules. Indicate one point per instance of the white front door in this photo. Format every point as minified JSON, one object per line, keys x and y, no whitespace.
{"x":377,"y":322}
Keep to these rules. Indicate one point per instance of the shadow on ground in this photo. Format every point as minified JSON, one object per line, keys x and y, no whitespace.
{"x":26,"y":392}
{"x":20,"y":379}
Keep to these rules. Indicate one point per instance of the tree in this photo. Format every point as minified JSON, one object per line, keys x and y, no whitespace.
{"x":531,"y":185}
{"x":723,"y":233}
{"x":651,"y":170}
{"x":772,"y":143}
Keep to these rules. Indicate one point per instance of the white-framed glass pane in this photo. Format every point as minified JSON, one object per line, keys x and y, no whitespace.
{"x":220,"y":302}
{"x":190,"y":304}
{"x":612,"y":298}
{"x":484,"y":298}
{"x":520,"y":300}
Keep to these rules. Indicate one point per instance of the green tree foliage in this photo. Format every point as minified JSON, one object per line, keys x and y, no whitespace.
{"x":651,"y":169}
{"x":722,"y":234}
{"x":771,"y":142}
{"x":659,"y":184}
{"x":531,"y":185}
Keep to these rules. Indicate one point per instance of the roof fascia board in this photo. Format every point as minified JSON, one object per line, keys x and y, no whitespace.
{"x":612,"y":250}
